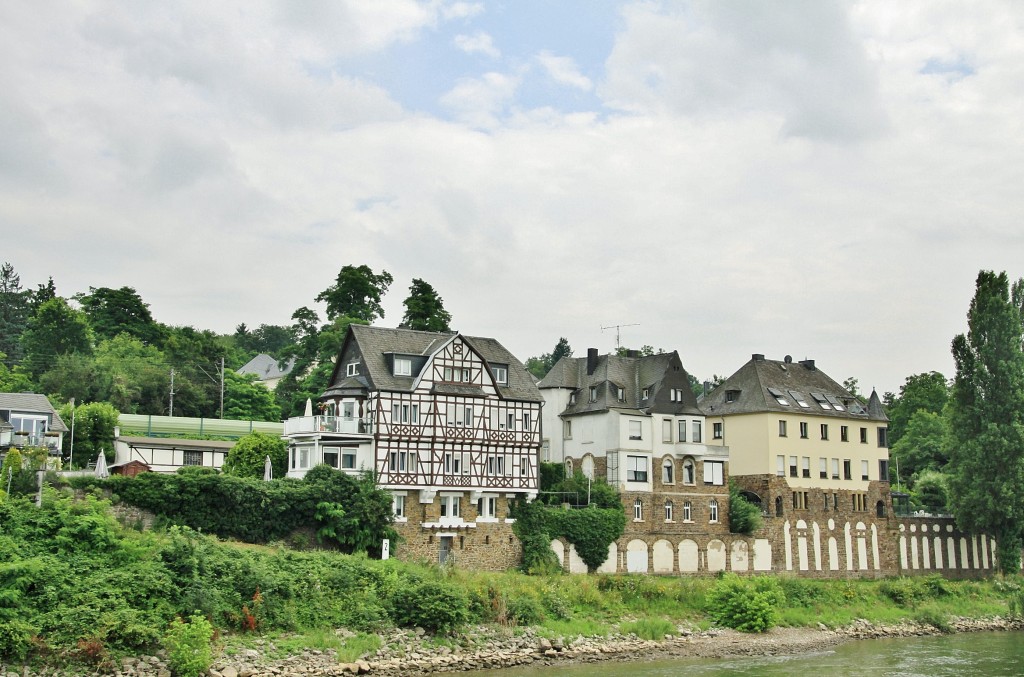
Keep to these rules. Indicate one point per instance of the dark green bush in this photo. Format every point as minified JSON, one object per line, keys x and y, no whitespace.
{"x":430,"y":605}
{"x":524,"y":609}
{"x":747,"y":605}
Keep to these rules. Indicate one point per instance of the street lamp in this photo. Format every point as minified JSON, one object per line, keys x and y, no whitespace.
{"x":71,"y":455}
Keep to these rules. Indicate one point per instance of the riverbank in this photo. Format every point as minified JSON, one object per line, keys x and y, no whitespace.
{"x":412,"y":653}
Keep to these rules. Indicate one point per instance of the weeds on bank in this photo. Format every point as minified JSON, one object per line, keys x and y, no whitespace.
{"x":649,"y":628}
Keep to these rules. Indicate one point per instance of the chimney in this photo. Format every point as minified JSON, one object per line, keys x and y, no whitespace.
{"x":757,"y":357}
{"x":632,"y":353}
{"x":808,"y":364}
{"x":591,"y":361}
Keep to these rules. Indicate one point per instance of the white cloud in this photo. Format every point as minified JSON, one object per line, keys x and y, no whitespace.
{"x":564,"y":70}
{"x":480,"y":102}
{"x":478,"y":43}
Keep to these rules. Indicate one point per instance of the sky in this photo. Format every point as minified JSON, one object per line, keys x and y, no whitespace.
{"x":809,"y":178}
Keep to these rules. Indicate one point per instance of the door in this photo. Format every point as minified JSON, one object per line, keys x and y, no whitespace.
{"x":446,"y":549}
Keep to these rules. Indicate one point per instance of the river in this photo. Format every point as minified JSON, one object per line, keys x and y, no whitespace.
{"x":993,"y":654}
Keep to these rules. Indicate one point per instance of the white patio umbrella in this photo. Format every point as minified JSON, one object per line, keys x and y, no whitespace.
{"x":268,"y":469}
{"x":101,"y":466}
{"x":309,"y":407}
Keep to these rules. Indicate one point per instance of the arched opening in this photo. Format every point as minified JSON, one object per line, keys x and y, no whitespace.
{"x":778,"y":506}
{"x":880,"y":508}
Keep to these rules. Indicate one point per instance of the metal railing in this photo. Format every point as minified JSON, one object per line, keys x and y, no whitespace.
{"x":327,"y":424}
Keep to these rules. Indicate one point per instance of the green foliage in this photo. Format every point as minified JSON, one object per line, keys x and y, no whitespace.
{"x":13,"y":380}
{"x":246,"y":399}
{"x":524,"y":609}
{"x":188,"y":646}
{"x":591,"y":530}
{"x":744,"y":516}
{"x":430,"y":605}
{"x":356,"y":293}
{"x":314,"y":351}
{"x":540,"y":366}
{"x":927,"y":392}
{"x":986,"y":468}
{"x":116,"y":311}
{"x":551,"y":474}
{"x":424,"y":309}
{"x":14,"y":314}
{"x":931,"y":492}
{"x":248,"y":457}
{"x":55,"y":329}
{"x":267,"y":338}
{"x":579,"y":491}
{"x":747,"y":605}
{"x":94,"y":431}
{"x":925,"y":444}
{"x":649,"y":628}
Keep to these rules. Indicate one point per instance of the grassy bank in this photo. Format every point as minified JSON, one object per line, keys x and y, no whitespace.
{"x":77,"y":586}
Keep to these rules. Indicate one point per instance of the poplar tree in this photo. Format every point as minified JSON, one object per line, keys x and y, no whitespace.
{"x":987,"y":459}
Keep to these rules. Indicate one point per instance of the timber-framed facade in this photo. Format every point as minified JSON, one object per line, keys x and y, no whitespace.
{"x":449,"y":424}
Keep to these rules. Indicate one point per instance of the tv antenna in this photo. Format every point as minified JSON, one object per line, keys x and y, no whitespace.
{"x":618,"y":332}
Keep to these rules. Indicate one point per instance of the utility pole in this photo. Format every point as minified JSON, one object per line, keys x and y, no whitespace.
{"x":618,"y":328}
{"x":71,"y":456}
{"x":222,"y":388}
{"x":171,"y":411}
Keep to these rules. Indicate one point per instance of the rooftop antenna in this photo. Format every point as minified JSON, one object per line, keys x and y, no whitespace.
{"x":618,"y":332}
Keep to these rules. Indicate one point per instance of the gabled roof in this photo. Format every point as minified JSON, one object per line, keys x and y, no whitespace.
{"x":658,"y":374}
{"x":266,"y":367}
{"x":375,"y":343}
{"x":31,"y":403}
{"x":785,"y":386}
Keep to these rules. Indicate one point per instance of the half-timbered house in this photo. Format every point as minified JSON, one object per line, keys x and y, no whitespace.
{"x":449,"y":424}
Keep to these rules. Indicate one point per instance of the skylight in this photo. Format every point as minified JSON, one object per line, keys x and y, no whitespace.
{"x":835,"y":402}
{"x":822,"y":402}
{"x":799,"y":399}
{"x":779,"y":397}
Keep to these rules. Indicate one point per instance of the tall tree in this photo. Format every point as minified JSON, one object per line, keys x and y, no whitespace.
{"x":14,"y":313}
{"x":55,"y":329}
{"x":424,"y":309}
{"x":928,"y":392}
{"x":540,"y":366}
{"x":115,"y":311}
{"x":42,"y":294}
{"x":987,"y":415}
{"x":246,"y":399}
{"x":356,"y":293}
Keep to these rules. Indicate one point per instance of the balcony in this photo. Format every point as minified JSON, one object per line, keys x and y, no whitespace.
{"x":337,"y":425}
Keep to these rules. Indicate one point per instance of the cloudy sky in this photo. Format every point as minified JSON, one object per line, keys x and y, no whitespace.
{"x":820,"y":179}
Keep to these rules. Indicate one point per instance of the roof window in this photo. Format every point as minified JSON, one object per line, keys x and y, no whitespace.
{"x":822,"y":402}
{"x":799,"y":398}
{"x":779,"y":397}
{"x":836,"y":404}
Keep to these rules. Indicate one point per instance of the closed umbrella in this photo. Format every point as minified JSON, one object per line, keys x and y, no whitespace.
{"x":309,"y":407}
{"x":268,"y":469}
{"x":101,"y":466}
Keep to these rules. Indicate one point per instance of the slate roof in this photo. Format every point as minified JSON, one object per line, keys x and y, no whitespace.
{"x":658,"y":374}
{"x":32,"y":403}
{"x":751,"y":387}
{"x":266,"y":367}
{"x":373,"y":344}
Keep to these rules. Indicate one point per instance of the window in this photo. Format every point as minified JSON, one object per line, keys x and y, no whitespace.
{"x":834,"y":401}
{"x":778,"y":506}
{"x":593,"y":393}
{"x":645,"y":394}
{"x":398,"y":506}
{"x":782,"y":428}
{"x":487,"y":507}
{"x":799,"y":500}
{"x":714,"y":472}
{"x":352,"y":368}
{"x":668,"y":511}
{"x":880,"y":509}
{"x":883,"y":437}
{"x":572,"y":397}
{"x":638,"y":510}
{"x":682,"y":430}
{"x":687,"y":511}
{"x":780,"y":466}
{"x":822,"y":402}
{"x":835,"y":501}
{"x":495,"y":465}
{"x":636,"y":469}
{"x":863,"y":435}
{"x":568,"y":467}
{"x":859,"y":502}
{"x":667,"y":471}
{"x":864,"y":471}
{"x":666,"y":430}
{"x":567,"y":430}
{"x":689,"y":471}
{"x":803,"y":430}
{"x":883,"y":470}
{"x":713,"y":511}
{"x":453,"y":463}
{"x":806,"y":467}
{"x":331,"y":457}
{"x":676,"y":394}
{"x":500,"y":373}
{"x":847,"y":469}
{"x":779,"y":397}
{"x":587,"y":467}
{"x":635,"y":430}
{"x":193,"y":458}
{"x":696,"y":432}
{"x":526,"y":421}
{"x":717,"y":431}
{"x":835,"y":468}
{"x":798,"y":397}
{"x":403,"y":366}
{"x":402,"y":461}
{"x":824,"y":431}
{"x":451,"y":507}
{"x":844,"y":433}
{"x":792,"y":467}
{"x":823,"y":468}
{"x":456,"y":374}
{"x":620,"y":393}
{"x":732,"y":395}
{"x":348,"y":459}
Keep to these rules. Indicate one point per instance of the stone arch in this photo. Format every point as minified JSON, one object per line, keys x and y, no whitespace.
{"x":716,"y":555}
{"x":689,"y":557}
{"x":663,"y":557}
{"x":778,"y":506}
{"x":801,"y":545}
{"x":636,"y":556}
{"x":833,"y":554}
{"x":880,"y":509}
{"x":762,"y":554}
{"x":576,"y":563}
{"x":610,"y":565}
{"x":587,"y":466}
{"x":558,"y":548}
{"x":937,"y":543}
{"x":740,"y":556}
{"x":568,"y":467}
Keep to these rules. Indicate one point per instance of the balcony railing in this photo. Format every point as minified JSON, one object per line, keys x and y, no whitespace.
{"x":50,"y":441}
{"x":327,"y":424}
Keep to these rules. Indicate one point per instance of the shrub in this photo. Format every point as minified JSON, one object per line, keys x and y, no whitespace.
{"x":901,"y":590}
{"x":525,"y":609}
{"x":649,"y":628}
{"x":744,"y":516}
{"x":430,"y":605}
{"x":188,"y":646}
{"x":749,"y":605}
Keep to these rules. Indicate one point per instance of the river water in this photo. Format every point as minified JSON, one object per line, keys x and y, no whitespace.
{"x":995,"y":654}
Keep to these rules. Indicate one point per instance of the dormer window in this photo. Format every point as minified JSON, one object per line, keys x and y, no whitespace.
{"x":620,"y":393}
{"x":676,"y":395}
{"x":732,"y":395}
{"x":593,"y":393}
{"x":352,"y":368}
{"x":572,"y":397}
{"x":646,"y":394}
{"x":403,"y":366}
{"x":500,"y":373}
{"x":456,"y":374}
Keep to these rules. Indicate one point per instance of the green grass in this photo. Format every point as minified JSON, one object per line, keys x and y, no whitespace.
{"x":649,"y":628}
{"x":573,"y":628}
